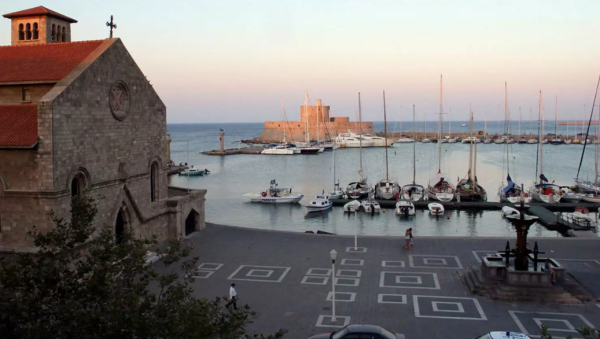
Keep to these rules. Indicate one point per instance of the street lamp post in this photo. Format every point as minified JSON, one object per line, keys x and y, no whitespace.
{"x":355,"y":232}
{"x":333,"y":255}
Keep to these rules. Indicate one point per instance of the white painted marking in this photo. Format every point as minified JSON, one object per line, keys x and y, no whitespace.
{"x":354,"y":283}
{"x":418,"y":313}
{"x":341,"y":321}
{"x":353,"y":262}
{"x":458,"y":263}
{"x":570,"y":327}
{"x":315,"y":280}
{"x":285,"y":272}
{"x":434,"y":275}
{"x":459,"y":307}
{"x":478,"y":258}
{"x":358,"y":250}
{"x":513,"y":315}
{"x":202,"y":274}
{"x":259,"y":273}
{"x":212,"y":266}
{"x":350,"y":299}
{"x":392,"y":263}
{"x":409,"y":279}
{"x":434,"y":261}
{"x":381,"y":296}
{"x":325,"y":272}
{"x":349,"y":273}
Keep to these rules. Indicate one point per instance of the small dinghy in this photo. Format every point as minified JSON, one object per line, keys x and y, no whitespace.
{"x":319,"y":204}
{"x":406,"y":208}
{"x":275,"y":195}
{"x":507,"y":210}
{"x":370,"y":206}
{"x":436,"y":208}
{"x":352,"y":206}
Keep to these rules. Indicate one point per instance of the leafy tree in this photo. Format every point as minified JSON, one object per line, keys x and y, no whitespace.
{"x":82,"y":283}
{"x":586,"y":332}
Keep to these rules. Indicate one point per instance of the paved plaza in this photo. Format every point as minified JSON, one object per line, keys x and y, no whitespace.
{"x":286,"y":278}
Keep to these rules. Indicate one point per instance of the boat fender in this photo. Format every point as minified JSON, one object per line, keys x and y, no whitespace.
{"x":264,"y":194}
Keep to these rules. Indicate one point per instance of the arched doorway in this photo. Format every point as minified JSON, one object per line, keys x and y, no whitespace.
{"x":120,"y":226}
{"x":191,"y":221}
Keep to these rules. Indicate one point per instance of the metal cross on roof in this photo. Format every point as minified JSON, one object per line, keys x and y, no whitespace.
{"x":111,"y":25}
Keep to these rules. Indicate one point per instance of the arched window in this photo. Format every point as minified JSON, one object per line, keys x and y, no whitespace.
{"x":53,"y":37}
{"x":28,"y":32}
{"x":36,"y":33}
{"x":58,"y":35}
{"x":154,"y":180}
{"x":21,"y":32}
{"x":78,"y":185}
{"x":64,"y":34}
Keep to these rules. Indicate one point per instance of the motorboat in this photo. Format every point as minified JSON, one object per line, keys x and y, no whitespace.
{"x":501,"y":140}
{"x":441,"y":189}
{"x":275,"y":195}
{"x":277,"y":150}
{"x":576,"y":142}
{"x":375,"y":140}
{"x":307,"y":148}
{"x":426,"y":140}
{"x":545,"y":192}
{"x":522,"y":141}
{"x":352,"y":206}
{"x":413,"y":192}
{"x":405,"y":207}
{"x":435,"y":208}
{"x":452,"y":140}
{"x":467,"y":140}
{"x":487,"y":141}
{"x":568,"y":195}
{"x":592,"y":197}
{"x":370,"y":206}
{"x":358,"y":190}
{"x":387,"y":189}
{"x":507,"y":210}
{"x":464,"y":125}
{"x":578,"y":220}
{"x":319,"y":204}
{"x":345,"y":140}
{"x":532,"y":141}
{"x":192,"y":171}
{"x":587,"y":186}
{"x":443,"y":140}
{"x":404,"y":140}
{"x":556,"y":141}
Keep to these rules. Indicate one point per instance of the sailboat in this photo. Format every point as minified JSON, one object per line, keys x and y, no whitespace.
{"x":413,"y":191}
{"x":511,"y":192}
{"x":486,"y":138}
{"x":556,"y":140}
{"x":386,"y":188}
{"x":468,"y":189}
{"x":425,"y":140}
{"x":337,"y":193}
{"x":522,"y":139}
{"x":567,"y":140}
{"x":543,"y":191}
{"x":438,"y":187}
{"x":305,"y":147}
{"x":359,"y":189}
{"x":509,"y":139}
{"x":450,"y":139}
{"x":595,"y":196}
{"x":585,"y":185}
{"x":283,"y":148}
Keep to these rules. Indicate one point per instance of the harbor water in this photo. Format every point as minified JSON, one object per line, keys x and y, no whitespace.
{"x":233,"y":176}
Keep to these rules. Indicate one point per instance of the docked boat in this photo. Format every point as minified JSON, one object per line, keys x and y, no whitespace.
{"x":413,"y":192}
{"x":556,"y":140}
{"x":352,"y":206}
{"x":501,"y":140}
{"x":463,"y":125}
{"x":578,"y":220}
{"x":468,"y":140}
{"x":532,"y":141}
{"x":507,"y":210}
{"x":359,"y":189}
{"x":192,"y":171}
{"x":370,"y":206}
{"x":405,"y":207}
{"x":319,"y":204}
{"x":592,"y":197}
{"x":377,"y":141}
{"x":274,"y":149}
{"x":385,"y":188}
{"x":405,"y":140}
{"x":522,"y":141}
{"x":346,"y":140}
{"x":569,"y":195}
{"x":337,"y":192}
{"x":275,"y":195}
{"x":426,"y":140}
{"x":307,"y":148}
{"x":435,"y":208}
{"x":468,"y":189}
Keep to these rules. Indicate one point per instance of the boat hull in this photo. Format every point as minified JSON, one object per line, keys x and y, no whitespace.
{"x":440,"y":196}
{"x":277,"y":200}
{"x":436,"y":209}
{"x":405,"y":208}
{"x":352,"y":206}
{"x":314,"y":209}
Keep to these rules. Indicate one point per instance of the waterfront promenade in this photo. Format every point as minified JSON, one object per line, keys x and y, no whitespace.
{"x":284,"y":277}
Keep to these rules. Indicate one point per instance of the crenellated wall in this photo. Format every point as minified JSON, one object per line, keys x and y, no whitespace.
{"x":295,"y":130}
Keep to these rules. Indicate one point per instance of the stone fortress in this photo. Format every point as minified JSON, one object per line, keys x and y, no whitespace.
{"x":80,"y":118}
{"x":319,"y":121}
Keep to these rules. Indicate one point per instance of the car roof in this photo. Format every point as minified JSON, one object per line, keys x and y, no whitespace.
{"x":364,"y":328}
{"x":508,"y":335}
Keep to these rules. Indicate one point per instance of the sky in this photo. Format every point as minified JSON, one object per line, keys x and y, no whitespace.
{"x":233,"y":61}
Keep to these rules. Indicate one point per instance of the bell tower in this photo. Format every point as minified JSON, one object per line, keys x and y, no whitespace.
{"x":39,"y":25}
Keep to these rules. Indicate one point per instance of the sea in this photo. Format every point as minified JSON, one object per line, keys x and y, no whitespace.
{"x":233,"y":176}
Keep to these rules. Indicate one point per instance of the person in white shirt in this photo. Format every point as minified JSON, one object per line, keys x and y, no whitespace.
{"x":232,"y":297}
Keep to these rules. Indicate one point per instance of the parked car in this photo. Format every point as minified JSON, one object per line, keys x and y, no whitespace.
{"x":503,"y":335}
{"x":359,"y":332}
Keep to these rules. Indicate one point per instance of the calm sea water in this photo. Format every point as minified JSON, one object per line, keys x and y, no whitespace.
{"x":233,"y":176}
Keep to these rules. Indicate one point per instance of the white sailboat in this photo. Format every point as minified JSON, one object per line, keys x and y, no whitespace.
{"x":486,"y":138}
{"x":556,"y":140}
{"x":337,"y":192}
{"x":413,"y":192}
{"x":425,"y":140}
{"x":283,"y":148}
{"x":543,"y":191}
{"x":522,"y":139}
{"x":439,"y":187}
{"x":306,"y":147}
{"x":468,"y":189}
{"x":359,"y":189}
{"x":594,"y":197}
{"x":386,"y":189}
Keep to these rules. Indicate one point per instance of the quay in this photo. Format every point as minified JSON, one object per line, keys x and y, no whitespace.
{"x":286,"y":278}
{"x":232,"y":151}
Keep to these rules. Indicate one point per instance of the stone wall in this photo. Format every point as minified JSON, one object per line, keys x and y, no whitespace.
{"x":295,"y":130}
{"x":13,"y":94}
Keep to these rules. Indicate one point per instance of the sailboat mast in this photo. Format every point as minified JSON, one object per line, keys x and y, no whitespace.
{"x":385,"y":132}
{"x":540,"y":137}
{"x":360,"y":134}
{"x":414,"y":149}
{"x":556,"y":117}
{"x":318,"y":136}
{"x":439,"y":130}
{"x":506,"y":128}
{"x":471,"y":147}
{"x":474,"y":159}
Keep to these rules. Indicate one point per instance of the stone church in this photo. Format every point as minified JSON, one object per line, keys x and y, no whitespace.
{"x":81,"y":118}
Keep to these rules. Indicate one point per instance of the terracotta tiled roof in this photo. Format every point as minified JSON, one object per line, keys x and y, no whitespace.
{"x":40,"y":10}
{"x":18,"y":126}
{"x":42,"y":62}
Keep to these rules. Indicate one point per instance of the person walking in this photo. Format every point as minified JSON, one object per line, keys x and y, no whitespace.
{"x":233,"y":296}
{"x":407,"y":239}
{"x":411,"y":236}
